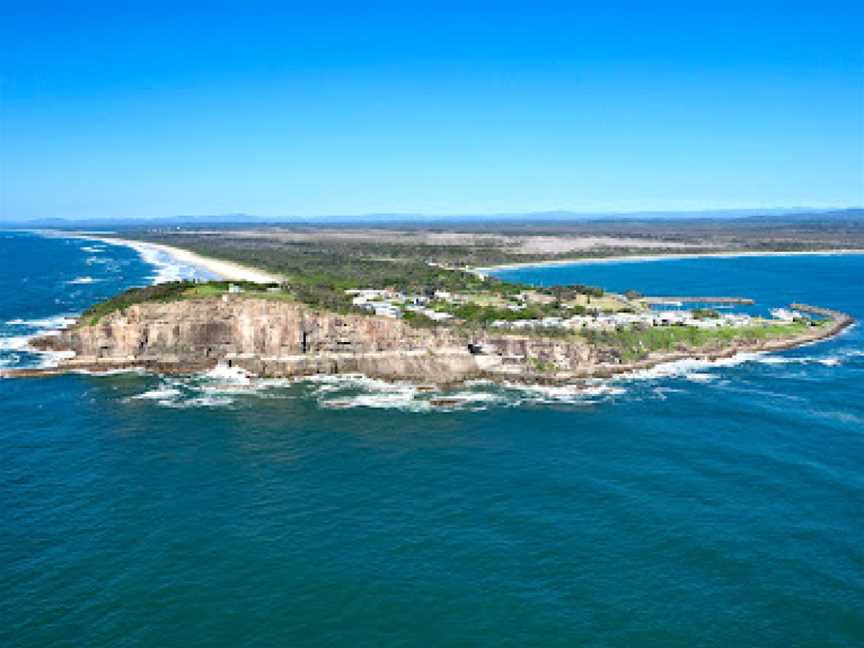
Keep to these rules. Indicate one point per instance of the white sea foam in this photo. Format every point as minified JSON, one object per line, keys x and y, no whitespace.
{"x":683,"y":368}
{"x":24,"y":331}
{"x":410,"y":400}
{"x":225,"y":374}
{"x":354,"y":390}
{"x":834,"y":359}
{"x":476,"y":400}
{"x":343,"y":392}
{"x":201,"y":401}
{"x":94,"y":260}
{"x":214,"y":388}
{"x":395,"y":400}
{"x":13,"y":348}
{"x":700,"y":377}
{"x":16,"y":343}
{"x":579,"y":394}
{"x":661,"y":392}
{"x":111,"y":372}
{"x":11,"y":360}
{"x":166,"y":267}
{"x":45,"y":324}
{"x":162,"y":394}
{"x":221,"y":386}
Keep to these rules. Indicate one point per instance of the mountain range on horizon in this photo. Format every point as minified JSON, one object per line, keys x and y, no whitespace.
{"x":786,"y":213}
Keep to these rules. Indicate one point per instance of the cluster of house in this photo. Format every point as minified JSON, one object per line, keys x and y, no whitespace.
{"x":389,"y":303}
{"x":616,"y":321}
{"x":393,"y":304}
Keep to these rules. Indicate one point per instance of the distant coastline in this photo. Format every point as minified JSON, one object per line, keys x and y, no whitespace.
{"x":232,"y":271}
{"x":638,"y":258}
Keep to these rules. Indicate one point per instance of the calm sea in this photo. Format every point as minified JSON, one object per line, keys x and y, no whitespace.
{"x":693,"y":505}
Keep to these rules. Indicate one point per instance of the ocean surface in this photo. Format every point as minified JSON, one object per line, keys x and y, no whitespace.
{"x":692,"y":505}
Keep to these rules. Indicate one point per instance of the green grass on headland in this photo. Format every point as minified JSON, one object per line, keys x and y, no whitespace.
{"x":635,"y":344}
{"x":176,"y":291}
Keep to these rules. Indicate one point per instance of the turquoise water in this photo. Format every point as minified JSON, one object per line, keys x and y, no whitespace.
{"x":695,"y":505}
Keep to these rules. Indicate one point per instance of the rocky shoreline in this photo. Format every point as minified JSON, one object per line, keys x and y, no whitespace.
{"x":272,"y":339}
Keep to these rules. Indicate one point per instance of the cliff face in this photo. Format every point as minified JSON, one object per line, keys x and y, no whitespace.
{"x":216,"y":328}
{"x":275,"y":338}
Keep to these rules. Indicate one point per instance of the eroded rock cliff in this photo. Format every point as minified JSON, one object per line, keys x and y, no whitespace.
{"x":276,"y":338}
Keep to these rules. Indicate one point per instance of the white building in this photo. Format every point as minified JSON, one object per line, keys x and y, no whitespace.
{"x":387,"y":310}
{"x":784,"y":314}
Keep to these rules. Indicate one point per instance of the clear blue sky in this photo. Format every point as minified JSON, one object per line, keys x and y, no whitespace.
{"x":437,"y":107}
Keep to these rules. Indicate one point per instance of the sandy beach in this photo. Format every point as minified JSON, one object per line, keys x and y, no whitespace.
{"x":655,"y":257}
{"x":227,"y":270}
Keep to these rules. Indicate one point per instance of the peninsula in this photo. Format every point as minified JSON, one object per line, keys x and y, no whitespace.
{"x":414,"y":304}
{"x":456,"y":328}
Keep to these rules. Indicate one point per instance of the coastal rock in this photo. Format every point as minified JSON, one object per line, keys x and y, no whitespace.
{"x":276,"y":338}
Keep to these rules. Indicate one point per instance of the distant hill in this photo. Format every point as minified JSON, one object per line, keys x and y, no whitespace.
{"x":787,"y":215}
{"x":836,"y":215}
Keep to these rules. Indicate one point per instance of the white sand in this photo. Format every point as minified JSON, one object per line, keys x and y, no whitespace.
{"x":656,"y":257}
{"x":227,"y":270}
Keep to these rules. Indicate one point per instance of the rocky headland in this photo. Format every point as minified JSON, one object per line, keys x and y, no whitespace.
{"x":277,"y":339}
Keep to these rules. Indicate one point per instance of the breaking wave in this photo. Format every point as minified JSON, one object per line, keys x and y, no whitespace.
{"x":223,"y":386}
{"x":166,"y":267}
{"x":16,"y":335}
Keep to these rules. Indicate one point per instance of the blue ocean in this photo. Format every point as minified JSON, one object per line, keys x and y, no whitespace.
{"x":690,"y":505}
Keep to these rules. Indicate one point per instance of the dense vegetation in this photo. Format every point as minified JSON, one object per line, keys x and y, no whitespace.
{"x":317,"y":273}
{"x":338,"y":265}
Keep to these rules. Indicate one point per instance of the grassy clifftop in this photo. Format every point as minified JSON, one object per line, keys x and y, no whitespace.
{"x":636,"y":344}
{"x":171,"y":292}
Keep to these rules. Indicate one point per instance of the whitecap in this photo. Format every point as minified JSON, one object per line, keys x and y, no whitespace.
{"x":10,"y":361}
{"x":16,"y":343}
{"x":201,"y":401}
{"x":681,"y":368}
{"x":45,"y":324}
{"x":99,"y":261}
{"x":111,"y":372}
{"x":700,"y":377}
{"x":162,"y":394}
{"x":835,"y":359}
{"x":25,"y":330}
{"x":225,"y":374}
{"x":577,"y":394}
{"x":778,"y":360}
{"x":397,"y":400}
{"x":340,"y":391}
{"x":166,"y":267}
